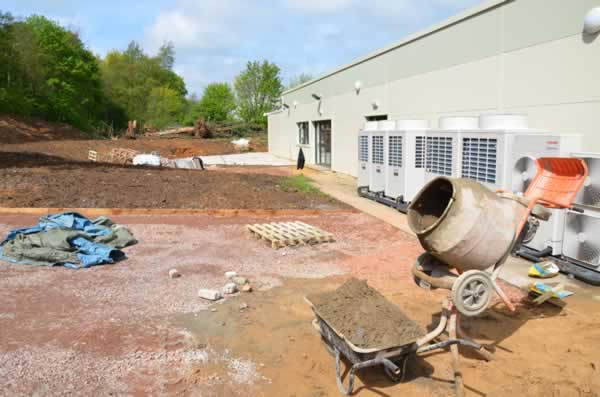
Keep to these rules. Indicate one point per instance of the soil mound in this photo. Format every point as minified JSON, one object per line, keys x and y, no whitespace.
{"x":15,"y":129}
{"x":365,"y":317}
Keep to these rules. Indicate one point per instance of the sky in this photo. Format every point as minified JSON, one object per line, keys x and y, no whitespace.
{"x":214,"y":39}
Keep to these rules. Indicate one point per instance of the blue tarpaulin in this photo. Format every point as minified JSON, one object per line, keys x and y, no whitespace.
{"x":68,"y":239}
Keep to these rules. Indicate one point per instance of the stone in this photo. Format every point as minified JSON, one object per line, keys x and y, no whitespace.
{"x":230,"y":288}
{"x":230,"y":275}
{"x":243,"y":306}
{"x":240,"y":280}
{"x":209,"y":294}
{"x":246,"y":288}
{"x":173,"y":273}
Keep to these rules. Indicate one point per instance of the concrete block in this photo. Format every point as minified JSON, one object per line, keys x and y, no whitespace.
{"x":209,"y":294}
{"x":240,"y":280}
{"x":230,"y":288}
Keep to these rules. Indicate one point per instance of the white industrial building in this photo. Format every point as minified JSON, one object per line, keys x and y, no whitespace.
{"x":530,"y":57}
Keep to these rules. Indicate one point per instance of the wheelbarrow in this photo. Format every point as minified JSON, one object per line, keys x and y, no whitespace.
{"x":393,"y":359}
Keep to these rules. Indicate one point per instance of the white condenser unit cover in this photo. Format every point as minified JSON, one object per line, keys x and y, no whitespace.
{"x":502,"y":153}
{"x":364,"y":138}
{"x":582,"y":237}
{"x":590,"y":192}
{"x":442,"y":152}
{"x":405,"y":174}
{"x":549,"y":233}
{"x":377,"y":158}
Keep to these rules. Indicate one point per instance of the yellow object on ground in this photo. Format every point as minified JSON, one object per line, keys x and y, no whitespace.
{"x":544,"y":270}
{"x":546,"y":292}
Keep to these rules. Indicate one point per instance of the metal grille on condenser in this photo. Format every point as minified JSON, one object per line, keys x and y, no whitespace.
{"x":395,"y":151}
{"x":439,"y":155}
{"x":363,"y":148}
{"x":420,"y":152}
{"x":378,"y":150}
{"x":479,"y":159}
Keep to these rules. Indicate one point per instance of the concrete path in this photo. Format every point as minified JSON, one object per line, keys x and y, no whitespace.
{"x":261,"y":158}
{"x":514,"y":271}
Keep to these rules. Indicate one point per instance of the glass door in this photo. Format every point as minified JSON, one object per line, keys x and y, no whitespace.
{"x":323,"y":146}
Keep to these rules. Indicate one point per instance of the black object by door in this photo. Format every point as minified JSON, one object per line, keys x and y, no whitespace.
{"x":323,"y":139}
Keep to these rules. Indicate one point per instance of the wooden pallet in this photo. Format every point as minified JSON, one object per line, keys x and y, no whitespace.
{"x":116,"y":155}
{"x":122,"y":156}
{"x":93,"y":156}
{"x":289,"y":234}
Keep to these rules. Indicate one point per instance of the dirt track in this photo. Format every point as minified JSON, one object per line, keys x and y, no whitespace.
{"x":128,"y":329}
{"x":171,"y":148}
{"x":38,"y":180}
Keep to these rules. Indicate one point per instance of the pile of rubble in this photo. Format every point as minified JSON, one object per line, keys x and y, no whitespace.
{"x":234,"y":285}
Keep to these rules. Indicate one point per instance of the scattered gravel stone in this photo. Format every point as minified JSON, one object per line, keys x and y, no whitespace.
{"x":173,"y":273}
{"x":240,"y":280}
{"x":230,"y":288}
{"x":247,"y":288}
{"x":244,"y":306}
{"x":209,"y":294}
{"x":230,"y":275}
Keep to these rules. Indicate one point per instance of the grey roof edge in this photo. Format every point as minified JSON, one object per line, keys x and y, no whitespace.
{"x":478,"y":9}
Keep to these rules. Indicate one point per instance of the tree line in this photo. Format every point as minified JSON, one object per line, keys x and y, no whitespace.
{"x":46,"y":71}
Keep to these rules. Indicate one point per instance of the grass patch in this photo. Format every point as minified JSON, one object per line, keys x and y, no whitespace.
{"x":301,"y":184}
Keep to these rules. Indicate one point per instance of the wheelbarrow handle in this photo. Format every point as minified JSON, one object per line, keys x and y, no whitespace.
{"x":364,"y":364}
{"x":449,"y":342}
{"x":345,"y":391}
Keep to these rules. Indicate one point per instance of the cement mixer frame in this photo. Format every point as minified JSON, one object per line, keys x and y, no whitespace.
{"x":471,"y":284}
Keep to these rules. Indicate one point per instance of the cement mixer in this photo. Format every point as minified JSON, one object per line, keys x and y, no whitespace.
{"x":463,"y":225}
{"x":468,"y":232}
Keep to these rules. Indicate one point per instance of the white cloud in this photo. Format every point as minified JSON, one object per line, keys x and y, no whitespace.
{"x":209,"y":24}
{"x":215,"y":38}
{"x":319,"y":6}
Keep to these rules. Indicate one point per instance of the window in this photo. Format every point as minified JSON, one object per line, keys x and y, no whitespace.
{"x":395,"y":151}
{"x":378,"y":150}
{"x":439,"y":155}
{"x":303,"y":133}
{"x":479,"y":159}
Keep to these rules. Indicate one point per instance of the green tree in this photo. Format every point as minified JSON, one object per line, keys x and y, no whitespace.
{"x":258,"y":89}
{"x":143,"y":86}
{"x":298,"y":80}
{"x":166,"y":55}
{"x":192,"y":110}
{"x":48,"y":72}
{"x":165,"y":107}
{"x":217,"y":103}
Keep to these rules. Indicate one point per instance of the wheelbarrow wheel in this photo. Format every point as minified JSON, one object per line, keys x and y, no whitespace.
{"x":397,"y":378}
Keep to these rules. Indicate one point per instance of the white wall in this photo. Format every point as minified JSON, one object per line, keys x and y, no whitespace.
{"x":554,"y":81}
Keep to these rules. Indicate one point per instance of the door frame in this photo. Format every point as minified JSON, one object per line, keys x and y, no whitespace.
{"x":318,"y":143}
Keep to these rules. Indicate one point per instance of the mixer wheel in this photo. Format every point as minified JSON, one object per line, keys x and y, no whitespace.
{"x":472,"y":292}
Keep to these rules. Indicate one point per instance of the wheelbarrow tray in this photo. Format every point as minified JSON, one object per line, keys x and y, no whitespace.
{"x":330,"y":333}
{"x":393,"y":358}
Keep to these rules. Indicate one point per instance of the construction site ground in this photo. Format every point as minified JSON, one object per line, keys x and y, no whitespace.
{"x":41,"y":180}
{"x":129,"y":329}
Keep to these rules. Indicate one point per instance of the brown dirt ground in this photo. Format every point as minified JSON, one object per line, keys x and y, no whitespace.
{"x":171,"y":148}
{"x":23,"y":134}
{"x":127,"y":329}
{"x":364,"y":317}
{"x":39,"y":180}
{"x":18,"y":129}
